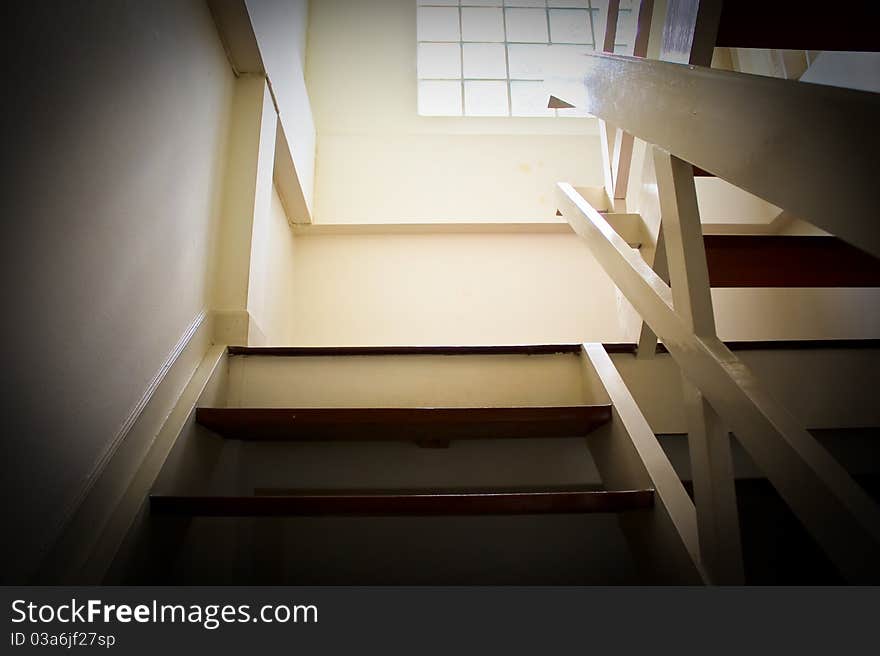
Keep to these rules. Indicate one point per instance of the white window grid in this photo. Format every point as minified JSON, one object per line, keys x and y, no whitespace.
{"x":625,"y":19}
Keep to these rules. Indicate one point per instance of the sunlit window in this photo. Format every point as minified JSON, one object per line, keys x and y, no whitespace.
{"x":506,"y":57}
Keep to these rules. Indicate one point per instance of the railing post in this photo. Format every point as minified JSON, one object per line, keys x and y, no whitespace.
{"x":617,"y":144}
{"x":839,"y":514}
{"x":647,"y":346}
{"x":708,"y":440}
{"x":690,"y":31}
{"x":607,"y":132}
{"x":627,"y":454}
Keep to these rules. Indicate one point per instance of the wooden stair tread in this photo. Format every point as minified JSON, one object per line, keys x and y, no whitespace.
{"x":611,"y":347}
{"x":791,"y":25}
{"x":788,"y":261}
{"x":404,"y":503}
{"x":505,"y":349}
{"x":409,"y":424}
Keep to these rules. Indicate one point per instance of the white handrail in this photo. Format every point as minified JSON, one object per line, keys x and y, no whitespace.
{"x":838,"y":513}
{"x":809,"y":149}
{"x":627,"y":454}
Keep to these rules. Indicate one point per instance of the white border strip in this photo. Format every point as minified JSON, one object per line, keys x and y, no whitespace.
{"x":115,"y":467}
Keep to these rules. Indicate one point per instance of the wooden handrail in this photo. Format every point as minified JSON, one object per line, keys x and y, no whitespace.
{"x":809,"y":149}
{"x":837,"y":512}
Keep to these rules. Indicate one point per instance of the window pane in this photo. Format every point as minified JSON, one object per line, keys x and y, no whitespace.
{"x":540,"y":62}
{"x":512,"y":54}
{"x":439,"y":60}
{"x":485,"y":98}
{"x":527,"y":62}
{"x":529,"y":99}
{"x":570,"y":26}
{"x":484,"y":60}
{"x":527,"y":25}
{"x":565,"y":61}
{"x":438,"y":24}
{"x":482,"y":24}
{"x":439,"y":98}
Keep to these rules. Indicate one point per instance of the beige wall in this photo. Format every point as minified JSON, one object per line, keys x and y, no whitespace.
{"x":272,"y":275}
{"x":378,"y":161}
{"x":436,"y":288}
{"x":110,"y":192}
{"x":450,"y":289}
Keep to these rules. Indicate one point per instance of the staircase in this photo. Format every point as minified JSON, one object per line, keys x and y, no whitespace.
{"x":452,"y":465}
{"x":534,"y":464}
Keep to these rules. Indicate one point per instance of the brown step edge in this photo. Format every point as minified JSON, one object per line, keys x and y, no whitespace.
{"x":508,"y":349}
{"x":793,"y":25}
{"x":533,"y":349}
{"x":364,"y":503}
{"x":788,"y":261}
{"x":407,"y":424}
{"x":766,"y":345}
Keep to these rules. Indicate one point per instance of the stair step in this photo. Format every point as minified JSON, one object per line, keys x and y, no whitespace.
{"x":314,"y":351}
{"x":790,"y":25}
{"x":611,"y":347}
{"x":409,"y":424}
{"x":404,"y":503}
{"x":788,"y":261}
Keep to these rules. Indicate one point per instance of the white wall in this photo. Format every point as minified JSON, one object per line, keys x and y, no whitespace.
{"x":110,"y":192}
{"x":451,"y":289}
{"x":272,"y":275}
{"x":501,"y":288}
{"x":378,"y":161}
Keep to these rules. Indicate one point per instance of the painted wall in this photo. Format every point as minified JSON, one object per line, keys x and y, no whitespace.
{"x":111,"y":170}
{"x":501,"y":288}
{"x":272,"y":275}
{"x":378,"y":161}
{"x":451,"y":289}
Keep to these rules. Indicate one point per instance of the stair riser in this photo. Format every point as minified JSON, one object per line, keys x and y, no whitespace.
{"x":232,"y":467}
{"x":410,"y":381}
{"x":557,"y":549}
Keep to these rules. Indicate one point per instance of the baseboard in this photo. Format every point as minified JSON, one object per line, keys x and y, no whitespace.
{"x":87,"y":519}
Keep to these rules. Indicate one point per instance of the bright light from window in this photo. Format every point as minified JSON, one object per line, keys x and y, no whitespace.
{"x":507,"y":57}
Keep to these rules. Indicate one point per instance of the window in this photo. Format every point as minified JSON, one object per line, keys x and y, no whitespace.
{"x":506,"y":57}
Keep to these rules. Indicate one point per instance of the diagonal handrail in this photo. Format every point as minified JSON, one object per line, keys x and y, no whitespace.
{"x":810,"y":149}
{"x":838,"y":513}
